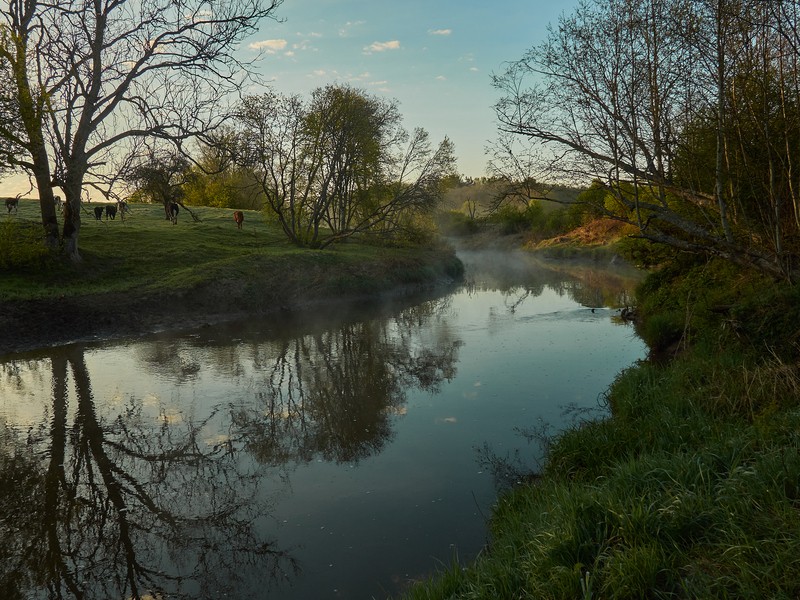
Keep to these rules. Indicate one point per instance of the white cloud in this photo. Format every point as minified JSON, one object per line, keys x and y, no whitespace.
{"x":382,"y":46}
{"x":440,"y":31}
{"x":441,"y":78}
{"x":270,"y":46}
{"x":344,"y":31}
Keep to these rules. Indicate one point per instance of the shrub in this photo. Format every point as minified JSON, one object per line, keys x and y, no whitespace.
{"x":456,"y":223}
{"x":21,"y":245}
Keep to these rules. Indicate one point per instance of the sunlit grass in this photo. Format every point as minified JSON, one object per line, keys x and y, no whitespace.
{"x":146,"y":253}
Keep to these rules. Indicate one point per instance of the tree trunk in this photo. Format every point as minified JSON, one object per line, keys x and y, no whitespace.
{"x":718,"y":176}
{"x":47,"y":204}
{"x":72,"y":222}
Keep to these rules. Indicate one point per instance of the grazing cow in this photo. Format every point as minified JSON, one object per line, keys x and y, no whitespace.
{"x":98,"y":212}
{"x":173,"y":212}
{"x":111,"y":211}
{"x":238,"y":216}
{"x":12,"y":203}
{"x":122,"y":207}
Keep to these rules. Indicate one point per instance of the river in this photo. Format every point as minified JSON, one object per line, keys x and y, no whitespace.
{"x":322,"y":456}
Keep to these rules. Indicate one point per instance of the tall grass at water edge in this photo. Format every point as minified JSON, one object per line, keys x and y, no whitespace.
{"x":690,"y":490}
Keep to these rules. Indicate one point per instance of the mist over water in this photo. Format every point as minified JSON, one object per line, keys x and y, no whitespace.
{"x":339,"y":456}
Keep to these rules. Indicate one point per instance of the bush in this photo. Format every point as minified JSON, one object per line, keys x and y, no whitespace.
{"x":457,"y":224}
{"x":21,"y":245}
{"x":515,"y":219}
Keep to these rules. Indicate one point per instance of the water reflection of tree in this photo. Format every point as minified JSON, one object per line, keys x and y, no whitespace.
{"x":332,"y":394}
{"x":126,"y":508}
{"x":590,"y":285}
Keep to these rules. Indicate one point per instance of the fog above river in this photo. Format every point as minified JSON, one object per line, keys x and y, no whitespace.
{"x":333,"y":455}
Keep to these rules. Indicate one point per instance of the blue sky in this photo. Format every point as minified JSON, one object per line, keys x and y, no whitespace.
{"x":435,"y":57}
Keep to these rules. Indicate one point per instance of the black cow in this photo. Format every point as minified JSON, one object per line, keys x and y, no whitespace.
{"x":12,"y":203}
{"x":98,"y":212}
{"x":173,"y":212}
{"x":111,"y":211}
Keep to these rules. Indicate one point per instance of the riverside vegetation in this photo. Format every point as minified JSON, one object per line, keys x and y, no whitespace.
{"x":144,"y":274}
{"x":691,"y":487}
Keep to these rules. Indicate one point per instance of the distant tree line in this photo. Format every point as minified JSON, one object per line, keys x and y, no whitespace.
{"x":685,"y":115}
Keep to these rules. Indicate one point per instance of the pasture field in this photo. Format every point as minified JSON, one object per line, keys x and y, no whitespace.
{"x":205,"y":267}
{"x":147,"y":253}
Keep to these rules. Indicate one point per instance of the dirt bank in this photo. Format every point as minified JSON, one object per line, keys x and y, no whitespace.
{"x":32,"y":324}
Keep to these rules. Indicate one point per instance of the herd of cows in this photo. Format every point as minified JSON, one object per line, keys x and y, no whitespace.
{"x":110,"y":211}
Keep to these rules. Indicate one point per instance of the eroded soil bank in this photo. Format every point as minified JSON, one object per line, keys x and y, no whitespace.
{"x":30,"y":324}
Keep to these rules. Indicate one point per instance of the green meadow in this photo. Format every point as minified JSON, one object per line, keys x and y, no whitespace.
{"x":146,"y":254}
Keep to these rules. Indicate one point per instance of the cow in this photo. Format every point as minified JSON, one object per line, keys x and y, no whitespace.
{"x":173,"y":212}
{"x":98,"y":212}
{"x":59,"y":203}
{"x":12,"y":203}
{"x":238,"y":217}
{"x":111,"y":211}
{"x":122,"y":207}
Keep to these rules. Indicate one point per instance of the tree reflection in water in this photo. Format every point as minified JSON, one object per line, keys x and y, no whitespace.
{"x":331,"y":394}
{"x":132,"y":507}
{"x":584,"y":282}
{"x":125,"y":509}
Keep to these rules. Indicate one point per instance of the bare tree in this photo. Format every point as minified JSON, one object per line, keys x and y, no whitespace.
{"x":93,"y":75}
{"x":624,"y":92}
{"x":519,"y":168}
{"x":339,"y":165}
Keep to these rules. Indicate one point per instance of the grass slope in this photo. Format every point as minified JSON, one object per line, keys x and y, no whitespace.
{"x":154,"y":273}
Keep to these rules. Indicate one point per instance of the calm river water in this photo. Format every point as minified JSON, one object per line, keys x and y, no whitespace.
{"x":342,"y":456}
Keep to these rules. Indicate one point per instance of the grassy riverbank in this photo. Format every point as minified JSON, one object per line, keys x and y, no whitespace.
{"x":692,"y":489}
{"x":145,"y":273}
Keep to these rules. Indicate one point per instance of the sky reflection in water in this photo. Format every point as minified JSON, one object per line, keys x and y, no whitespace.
{"x":333,"y":457}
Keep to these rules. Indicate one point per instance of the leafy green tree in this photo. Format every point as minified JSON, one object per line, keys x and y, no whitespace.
{"x":339,"y":165}
{"x":160,"y":178}
{"x":215,"y":179}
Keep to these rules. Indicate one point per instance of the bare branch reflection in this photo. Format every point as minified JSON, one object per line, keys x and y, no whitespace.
{"x":130,"y":508}
{"x":333,"y":394}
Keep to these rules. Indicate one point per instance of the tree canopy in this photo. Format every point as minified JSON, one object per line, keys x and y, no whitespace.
{"x":685,"y":111}
{"x":339,"y":164}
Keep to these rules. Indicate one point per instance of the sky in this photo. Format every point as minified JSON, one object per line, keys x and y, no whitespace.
{"x":435,"y":57}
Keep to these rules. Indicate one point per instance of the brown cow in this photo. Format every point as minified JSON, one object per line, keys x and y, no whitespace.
{"x":12,"y":203}
{"x":238,"y":216}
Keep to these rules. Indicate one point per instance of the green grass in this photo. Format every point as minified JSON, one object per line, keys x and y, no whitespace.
{"x":146,"y":255}
{"x":690,"y":490}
